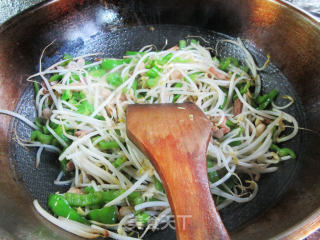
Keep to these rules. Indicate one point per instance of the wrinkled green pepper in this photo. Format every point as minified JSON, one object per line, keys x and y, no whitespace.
{"x":60,"y":207}
{"x":107,"y":215}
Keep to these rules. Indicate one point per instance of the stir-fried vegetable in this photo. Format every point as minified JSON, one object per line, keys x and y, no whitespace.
{"x":81,"y":116}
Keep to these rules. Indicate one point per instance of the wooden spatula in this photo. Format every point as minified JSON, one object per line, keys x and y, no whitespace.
{"x":175,"y":138}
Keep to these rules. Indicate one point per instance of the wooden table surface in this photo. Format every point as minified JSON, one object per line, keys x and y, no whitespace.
{"x":9,"y":8}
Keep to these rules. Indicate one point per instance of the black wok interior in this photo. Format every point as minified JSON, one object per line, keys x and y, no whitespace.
{"x":112,"y":27}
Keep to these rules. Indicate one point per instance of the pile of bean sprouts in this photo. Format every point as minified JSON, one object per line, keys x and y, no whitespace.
{"x":93,"y":167}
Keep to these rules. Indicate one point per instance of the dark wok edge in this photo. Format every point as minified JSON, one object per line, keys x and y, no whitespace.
{"x":312,"y":222}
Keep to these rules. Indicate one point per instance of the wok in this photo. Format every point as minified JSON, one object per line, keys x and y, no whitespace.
{"x":287,"y":205}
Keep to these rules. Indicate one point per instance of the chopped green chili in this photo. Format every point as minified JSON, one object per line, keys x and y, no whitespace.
{"x":158,"y":185}
{"x":142,"y":217}
{"x":88,"y":189}
{"x":283,"y":151}
{"x":106,"y":145}
{"x":97,"y":73}
{"x":85,"y":108}
{"x":182,"y":44}
{"x":68,"y":59}
{"x":55,"y":77}
{"x":238,"y":142}
{"x":114,"y":79}
{"x":60,"y":207}
{"x":83,"y":200}
{"x":108,"y":64}
{"x":118,"y":162}
{"x":66,"y":95}
{"x":231,"y":124}
{"x":151,"y":82}
{"x":107,"y":215}
{"x":132,"y":53}
{"x":269,"y":99}
{"x":224,"y":102}
{"x":36,"y":88}
{"x":213,"y":176}
{"x":135,"y":198}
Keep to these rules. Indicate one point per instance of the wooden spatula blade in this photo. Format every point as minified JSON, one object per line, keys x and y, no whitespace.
{"x":175,"y":138}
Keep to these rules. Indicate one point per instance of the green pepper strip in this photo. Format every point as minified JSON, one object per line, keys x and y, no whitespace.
{"x":234,"y":61}
{"x":135,"y":198}
{"x":66,"y":95}
{"x":63,"y":164}
{"x":283,"y":151}
{"x":176,"y":96}
{"x":182,"y":44}
{"x":59,"y":131}
{"x":274,"y":130}
{"x":132,"y":53}
{"x":60,"y":207}
{"x":99,"y":117}
{"x":43,"y":138}
{"x":153,"y":72}
{"x":134,"y":85}
{"x":192,"y":76}
{"x":108,"y":64}
{"x":107,"y":215}
{"x":118,"y":162}
{"x":78,"y":96}
{"x":97,"y":73}
{"x":224,"y":102}
{"x":152,"y":81}
{"x":149,"y":63}
{"x":270,"y":98}
{"x":286,"y":151}
{"x":194,"y":41}
{"x":158,"y":185}
{"x":106,"y":145}
{"x":231,"y":124}
{"x":142,"y":217}
{"x":76,"y":77}
{"x":244,"y":68}
{"x":55,"y":77}
{"x":38,"y":122}
{"x":224,"y":64}
{"x":262,"y":99}
{"x":180,"y":60}
{"x":68,"y":59}
{"x":212,"y":176}
{"x":34,"y":135}
{"x":45,"y":130}
{"x":83,"y":200}
{"x":164,"y":59}
{"x":88,"y":189}
{"x":209,"y":163}
{"x":36,"y":88}
{"x":53,"y":125}
{"x":115,"y":79}
{"x":55,"y":142}
{"x":85,"y":108}
{"x":237,"y":143}
{"x":244,"y":88}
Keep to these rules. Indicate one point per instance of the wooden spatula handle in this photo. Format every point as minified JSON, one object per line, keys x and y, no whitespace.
{"x":175,"y":138}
